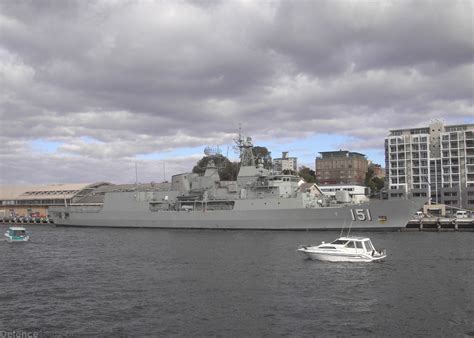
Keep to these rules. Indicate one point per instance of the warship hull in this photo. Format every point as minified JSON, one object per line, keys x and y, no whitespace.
{"x":374,"y":215}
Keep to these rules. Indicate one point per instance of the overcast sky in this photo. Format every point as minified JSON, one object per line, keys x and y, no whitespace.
{"x":89,"y":88}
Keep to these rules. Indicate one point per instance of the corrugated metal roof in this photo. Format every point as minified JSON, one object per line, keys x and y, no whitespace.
{"x":47,"y":191}
{"x":11,"y":192}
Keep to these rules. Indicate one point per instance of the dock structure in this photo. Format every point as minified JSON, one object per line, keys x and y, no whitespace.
{"x":26,"y":220}
{"x":425,"y":224}
{"x":29,"y":204}
{"x":440,"y":224}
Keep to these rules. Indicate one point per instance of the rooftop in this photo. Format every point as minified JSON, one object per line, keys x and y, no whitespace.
{"x":45,"y":191}
{"x":340,"y":153}
{"x":426,"y":129}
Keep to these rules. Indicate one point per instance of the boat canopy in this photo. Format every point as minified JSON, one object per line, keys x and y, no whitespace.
{"x":353,"y":243}
{"x":360,"y":239}
{"x":340,"y":241}
{"x":18,"y":232}
{"x":17,"y":228}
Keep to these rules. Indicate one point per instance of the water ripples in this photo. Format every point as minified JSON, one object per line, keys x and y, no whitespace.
{"x":240,"y":283}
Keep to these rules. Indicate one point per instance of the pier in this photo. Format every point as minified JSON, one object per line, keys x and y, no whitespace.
{"x":440,"y":224}
{"x":26,"y":220}
{"x":425,"y":224}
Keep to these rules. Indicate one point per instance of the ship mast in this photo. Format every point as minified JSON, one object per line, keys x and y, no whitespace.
{"x":245,"y":147}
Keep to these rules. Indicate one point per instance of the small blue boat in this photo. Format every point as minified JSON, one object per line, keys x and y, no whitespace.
{"x":17,"y":234}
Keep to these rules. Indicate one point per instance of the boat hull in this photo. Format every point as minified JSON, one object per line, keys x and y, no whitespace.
{"x":10,"y":239}
{"x":376,"y":215}
{"x":340,"y":257}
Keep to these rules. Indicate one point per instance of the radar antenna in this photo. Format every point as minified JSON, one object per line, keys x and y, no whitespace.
{"x":238,"y":141}
{"x":215,"y":155}
{"x":212,"y":151}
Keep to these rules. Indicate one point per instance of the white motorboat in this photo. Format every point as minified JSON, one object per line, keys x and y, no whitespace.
{"x":17,"y":234}
{"x":344,"y":249}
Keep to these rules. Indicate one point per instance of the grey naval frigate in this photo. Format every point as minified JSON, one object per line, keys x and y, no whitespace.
{"x":258,"y":199}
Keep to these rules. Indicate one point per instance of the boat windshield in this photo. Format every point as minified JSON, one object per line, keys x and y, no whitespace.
{"x":339,"y":241}
{"x":18,"y":232}
{"x":368,"y":246}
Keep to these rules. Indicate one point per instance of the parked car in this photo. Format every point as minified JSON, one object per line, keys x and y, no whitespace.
{"x":462,"y":214}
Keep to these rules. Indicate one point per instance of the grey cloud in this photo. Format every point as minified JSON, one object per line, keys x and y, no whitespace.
{"x":51,"y":168}
{"x":145,"y":77}
{"x":328,"y":38}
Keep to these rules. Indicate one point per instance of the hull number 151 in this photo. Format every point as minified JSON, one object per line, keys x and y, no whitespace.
{"x":361,"y":215}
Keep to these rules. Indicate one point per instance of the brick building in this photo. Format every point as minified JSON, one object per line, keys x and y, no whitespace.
{"x":341,"y":167}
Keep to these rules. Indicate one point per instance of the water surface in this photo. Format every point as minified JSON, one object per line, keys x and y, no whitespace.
{"x":242,"y":283}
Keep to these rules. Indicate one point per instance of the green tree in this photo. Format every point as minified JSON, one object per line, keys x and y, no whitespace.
{"x":262,"y":155}
{"x":227,"y":170}
{"x":307,"y":174}
{"x":379,"y":182}
{"x":369,"y":175}
{"x":373,"y":182}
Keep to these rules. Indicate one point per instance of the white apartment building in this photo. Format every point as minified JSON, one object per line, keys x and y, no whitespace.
{"x":435,"y":161}
{"x":285,"y":163}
